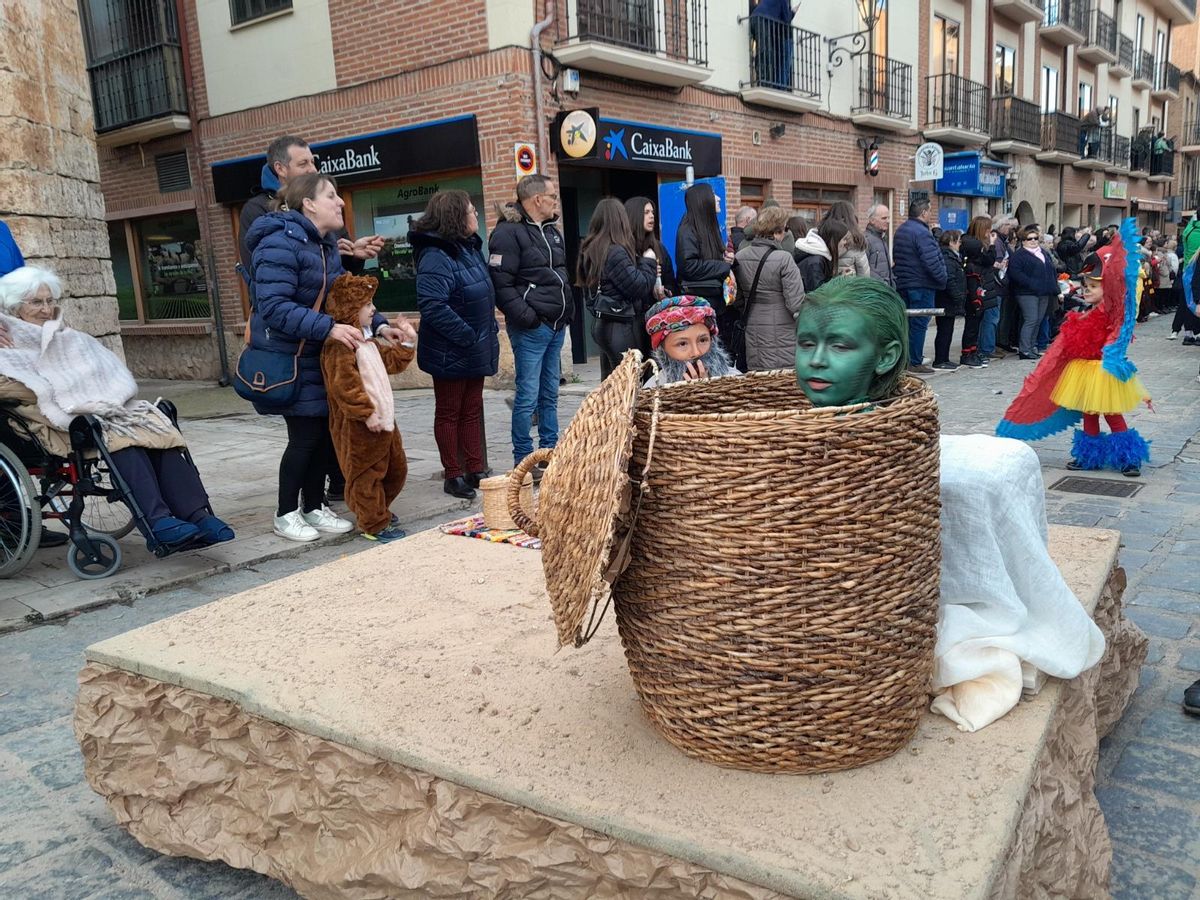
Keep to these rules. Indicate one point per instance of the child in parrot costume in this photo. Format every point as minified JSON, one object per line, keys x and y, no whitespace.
{"x":1086,"y":373}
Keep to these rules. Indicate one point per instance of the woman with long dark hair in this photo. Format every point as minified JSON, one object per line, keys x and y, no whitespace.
{"x":701,"y":260}
{"x":818,"y":253}
{"x":643,"y":222}
{"x":459,"y":333}
{"x":983,"y":288}
{"x":852,"y":260}
{"x":618,"y":283}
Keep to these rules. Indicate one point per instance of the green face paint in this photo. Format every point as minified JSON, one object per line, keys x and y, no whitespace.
{"x":836,"y":355}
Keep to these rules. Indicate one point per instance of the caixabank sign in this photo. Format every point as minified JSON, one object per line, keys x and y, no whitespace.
{"x":634,"y":145}
{"x":440,"y":146}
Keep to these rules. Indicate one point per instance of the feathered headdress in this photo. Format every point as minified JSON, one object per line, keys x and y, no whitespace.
{"x":1033,"y":415}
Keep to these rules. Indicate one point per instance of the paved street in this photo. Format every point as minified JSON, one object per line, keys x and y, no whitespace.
{"x":57,"y":838}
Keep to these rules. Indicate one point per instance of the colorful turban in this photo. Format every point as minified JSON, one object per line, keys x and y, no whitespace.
{"x":677,"y":314}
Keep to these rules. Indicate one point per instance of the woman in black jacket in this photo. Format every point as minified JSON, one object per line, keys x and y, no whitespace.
{"x":618,"y":284}
{"x":643,"y":222}
{"x":951,"y":299}
{"x":982,"y":288}
{"x":1070,"y":250}
{"x":702,"y":263}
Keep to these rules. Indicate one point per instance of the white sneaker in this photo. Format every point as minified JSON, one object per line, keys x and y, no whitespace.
{"x":326,"y":520}
{"x":294,"y":528}
{"x":1173,"y":335}
{"x":1152,"y":315}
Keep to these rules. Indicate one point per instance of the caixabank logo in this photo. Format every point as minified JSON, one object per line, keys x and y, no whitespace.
{"x":614,"y":144}
{"x":577,"y":132}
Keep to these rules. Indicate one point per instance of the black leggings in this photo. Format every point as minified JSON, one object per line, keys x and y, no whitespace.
{"x":308,"y":457}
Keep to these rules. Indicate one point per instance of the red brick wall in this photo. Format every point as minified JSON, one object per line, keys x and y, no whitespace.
{"x":377,"y":38}
{"x":130,"y":181}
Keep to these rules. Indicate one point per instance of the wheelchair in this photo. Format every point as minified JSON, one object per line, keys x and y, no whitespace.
{"x":84,"y":490}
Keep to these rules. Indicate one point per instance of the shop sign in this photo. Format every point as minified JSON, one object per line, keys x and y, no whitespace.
{"x":970,"y":175}
{"x":928,"y":162}
{"x":636,"y":145}
{"x":1116,"y":190}
{"x":439,"y":146}
{"x":955,"y":218}
{"x":525,"y":159}
{"x":573,"y":134}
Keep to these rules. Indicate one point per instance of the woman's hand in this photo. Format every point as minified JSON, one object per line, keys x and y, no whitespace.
{"x":346,"y":334}
{"x":694,"y":371}
{"x":729,"y":255}
{"x":399,"y":329}
{"x":649,"y":254}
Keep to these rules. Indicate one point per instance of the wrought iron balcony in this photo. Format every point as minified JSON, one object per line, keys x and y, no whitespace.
{"x":1016,"y":125}
{"x":1189,"y":139}
{"x":1143,"y":75}
{"x":785,"y":66}
{"x":1139,"y":152}
{"x":643,"y":40}
{"x":135,"y":67}
{"x":1101,"y":43}
{"x":1190,"y":198}
{"x":1097,"y":145}
{"x":1118,"y":151}
{"x":1065,"y":21}
{"x":958,"y":109}
{"x":1124,"y":64}
{"x":1060,"y":138}
{"x":884,"y":98}
{"x":1162,"y":165}
{"x":1020,"y":10}
{"x":1166,"y":81}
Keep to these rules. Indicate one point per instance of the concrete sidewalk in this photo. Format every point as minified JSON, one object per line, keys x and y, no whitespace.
{"x":238,"y":453}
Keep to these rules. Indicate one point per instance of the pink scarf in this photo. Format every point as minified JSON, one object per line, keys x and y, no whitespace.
{"x":378,"y":387}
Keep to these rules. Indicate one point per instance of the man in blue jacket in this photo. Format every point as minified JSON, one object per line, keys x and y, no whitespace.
{"x":920,"y":272}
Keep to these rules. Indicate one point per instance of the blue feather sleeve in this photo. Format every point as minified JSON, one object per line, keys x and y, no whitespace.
{"x":1115,"y":356}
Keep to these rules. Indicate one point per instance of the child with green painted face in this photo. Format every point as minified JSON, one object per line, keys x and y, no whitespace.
{"x":851,"y":342}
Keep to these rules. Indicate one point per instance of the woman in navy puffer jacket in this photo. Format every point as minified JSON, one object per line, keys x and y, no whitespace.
{"x":291,"y":250}
{"x":1034,"y":280}
{"x":459,"y":345}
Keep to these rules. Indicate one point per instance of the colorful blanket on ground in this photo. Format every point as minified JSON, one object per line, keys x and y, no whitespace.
{"x":473,"y":526}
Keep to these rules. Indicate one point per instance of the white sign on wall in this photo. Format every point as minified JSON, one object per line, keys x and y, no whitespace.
{"x":929,"y":160}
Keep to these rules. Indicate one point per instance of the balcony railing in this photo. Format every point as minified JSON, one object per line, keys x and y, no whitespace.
{"x":134,"y":62}
{"x":1166,"y":77}
{"x":1060,"y":133}
{"x":884,"y":87}
{"x":1190,"y":197}
{"x":1014,"y":119}
{"x":1139,"y":152}
{"x":1119,"y":152}
{"x":1145,"y":68}
{"x":1124,"y":54}
{"x":957,"y":102}
{"x":1102,"y":32}
{"x":1190,"y":136}
{"x":1098,"y":143}
{"x":1072,"y":13}
{"x":784,"y":58}
{"x":677,"y":29}
{"x":1162,"y":163}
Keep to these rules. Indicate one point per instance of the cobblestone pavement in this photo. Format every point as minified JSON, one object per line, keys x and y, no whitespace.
{"x":58,"y":840}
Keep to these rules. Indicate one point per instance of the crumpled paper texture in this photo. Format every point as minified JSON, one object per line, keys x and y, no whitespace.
{"x":1062,"y":848}
{"x":188,"y":774}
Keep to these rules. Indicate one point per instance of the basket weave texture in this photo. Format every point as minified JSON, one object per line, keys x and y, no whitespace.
{"x":495,"y":501}
{"x":779,"y":608}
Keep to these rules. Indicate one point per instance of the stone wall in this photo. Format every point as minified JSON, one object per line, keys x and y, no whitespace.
{"x":49,"y":174}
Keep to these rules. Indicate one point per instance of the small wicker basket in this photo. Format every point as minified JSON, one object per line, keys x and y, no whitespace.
{"x":774,"y":567}
{"x":495,"y":501}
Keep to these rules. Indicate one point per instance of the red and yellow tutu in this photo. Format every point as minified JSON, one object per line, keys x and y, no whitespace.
{"x":1085,"y":386}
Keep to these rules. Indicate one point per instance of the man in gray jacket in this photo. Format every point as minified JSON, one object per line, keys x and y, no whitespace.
{"x":877,"y":244}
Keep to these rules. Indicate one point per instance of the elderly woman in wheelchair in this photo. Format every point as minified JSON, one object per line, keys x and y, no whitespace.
{"x":71,"y":405}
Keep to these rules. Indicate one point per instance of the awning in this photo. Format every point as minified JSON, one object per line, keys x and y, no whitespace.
{"x":1149,"y":202}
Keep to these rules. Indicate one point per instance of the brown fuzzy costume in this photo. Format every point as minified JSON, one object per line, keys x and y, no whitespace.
{"x":373,"y":461}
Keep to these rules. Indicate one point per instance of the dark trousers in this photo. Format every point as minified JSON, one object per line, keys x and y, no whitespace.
{"x":163,"y":483}
{"x":306,"y":460}
{"x":1010,"y":322}
{"x":1185,"y":319}
{"x":971,"y":323}
{"x":944,"y":335}
{"x":614,"y":337}
{"x":458,"y":424}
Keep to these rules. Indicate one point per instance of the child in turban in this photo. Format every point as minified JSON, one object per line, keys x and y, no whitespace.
{"x":683,"y":335}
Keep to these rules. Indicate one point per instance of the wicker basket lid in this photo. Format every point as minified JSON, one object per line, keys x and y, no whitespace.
{"x":584,"y":498}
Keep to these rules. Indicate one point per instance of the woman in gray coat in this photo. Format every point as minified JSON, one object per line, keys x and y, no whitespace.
{"x":770,"y":314}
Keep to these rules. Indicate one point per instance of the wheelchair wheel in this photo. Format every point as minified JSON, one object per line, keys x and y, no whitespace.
{"x":102,"y":516}
{"x":20,"y":515}
{"x":107,"y":559}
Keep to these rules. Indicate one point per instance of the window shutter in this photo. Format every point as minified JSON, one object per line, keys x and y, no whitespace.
{"x":173,"y":172}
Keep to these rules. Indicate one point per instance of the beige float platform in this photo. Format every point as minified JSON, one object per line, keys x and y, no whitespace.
{"x":397,"y":724}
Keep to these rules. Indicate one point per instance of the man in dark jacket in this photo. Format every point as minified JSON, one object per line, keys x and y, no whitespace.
{"x":528,"y":261}
{"x":920,"y":273}
{"x":878,"y":256}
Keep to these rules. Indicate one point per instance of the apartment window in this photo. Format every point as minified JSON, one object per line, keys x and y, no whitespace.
{"x":1137,"y":38}
{"x":159,"y":268}
{"x":1049,"y":89}
{"x":1004,"y":76}
{"x":1085,"y":98}
{"x":241,"y":11}
{"x":945,"y":46}
{"x":879,"y":37}
{"x":812,"y":201}
{"x":1114,"y":106}
{"x":1160,"y":51}
{"x":754,"y":192}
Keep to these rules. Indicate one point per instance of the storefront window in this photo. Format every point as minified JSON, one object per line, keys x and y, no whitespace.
{"x":390,"y":212}
{"x":122,"y":271}
{"x":171,"y":267}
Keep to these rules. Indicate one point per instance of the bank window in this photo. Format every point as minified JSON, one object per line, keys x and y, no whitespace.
{"x":945,"y":46}
{"x":754,"y":192}
{"x":1049,"y":89}
{"x":390,"y":213}
{"x":159,"y":267}
{"x":1085,"y":98}
{"x":812,"y":201}
{"x":241,"y":11}
{"x":1004,"y":75}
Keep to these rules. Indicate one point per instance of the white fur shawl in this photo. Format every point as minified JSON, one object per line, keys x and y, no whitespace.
{"x":73,"y":374}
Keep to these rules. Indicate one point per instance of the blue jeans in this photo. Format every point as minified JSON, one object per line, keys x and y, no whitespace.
{"x":987,"y":331}
{"x":917,"y":298}
{"x":536,"y":354}
{"x":1043,"y":335}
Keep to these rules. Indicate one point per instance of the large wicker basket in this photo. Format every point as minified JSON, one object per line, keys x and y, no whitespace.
{"x":774,"y":569}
